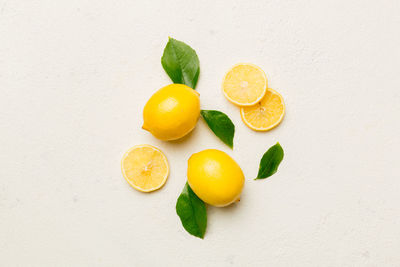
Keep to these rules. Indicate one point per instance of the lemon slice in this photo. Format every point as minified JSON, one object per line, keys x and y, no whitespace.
{"x":266,"y":114}
{"x":244,"y":84}
{"x":145,"y":168}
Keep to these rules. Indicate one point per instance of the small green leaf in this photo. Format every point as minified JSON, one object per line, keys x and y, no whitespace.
{"x":270,"y":161}
{"x":181,"y":63}
{"x":220,"y":124}
{"x":192,"y":212}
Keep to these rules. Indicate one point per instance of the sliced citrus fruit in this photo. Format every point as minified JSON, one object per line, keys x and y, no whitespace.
{"x":266,"y":114}
{"x":145,"y":168}
{"x":244,"y":84}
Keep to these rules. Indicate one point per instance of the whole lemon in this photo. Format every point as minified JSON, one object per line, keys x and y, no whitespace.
{"x":215,"y":177}
{"x":172,"y":112}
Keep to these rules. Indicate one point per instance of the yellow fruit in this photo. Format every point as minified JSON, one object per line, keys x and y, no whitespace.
{"x":215,"y":177}
{"x":244,"y":84}
{"x":172,"y":112}
{"x":145,"y":168}
{"x":266,"y":114}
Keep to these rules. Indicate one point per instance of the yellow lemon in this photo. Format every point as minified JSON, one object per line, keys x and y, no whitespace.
{"x":244,"y":84}
{"x":215,"y":177}
{"x":145,"y":168}
{"x":172,"y":112}
{"x":266,"y":114}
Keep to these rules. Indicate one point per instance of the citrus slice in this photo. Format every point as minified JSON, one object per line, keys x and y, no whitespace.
{"x":244,"y":84}
{"x":145,"y":168}
{"x":266,"y":114}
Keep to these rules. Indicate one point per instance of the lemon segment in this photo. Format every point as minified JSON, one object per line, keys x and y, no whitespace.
{"x":215,"y":177}
{"x":244,"y":84}
{"x":145,"y":168}
{"x":172,"y":112}
{"x":266,"y":114}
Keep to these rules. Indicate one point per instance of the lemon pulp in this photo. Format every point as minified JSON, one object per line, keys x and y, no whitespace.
{"x":145,"y":168}
{"x":244,"y":84}
{"x":266,"y":114}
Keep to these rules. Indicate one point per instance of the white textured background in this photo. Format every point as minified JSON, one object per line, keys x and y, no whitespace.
{"x":75,"y":75}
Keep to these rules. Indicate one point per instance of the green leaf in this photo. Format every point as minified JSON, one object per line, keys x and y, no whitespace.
{"x":192,"y":212}
{"x":220,"y":124}
{"x":270,"y":161}
{"x":181,"y":63}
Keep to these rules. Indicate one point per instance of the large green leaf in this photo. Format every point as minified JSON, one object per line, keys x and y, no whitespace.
{"x":270,"y":161}
{"x":192,"y":212}
{"x":181,"y":63}
{"x":220,"y":124}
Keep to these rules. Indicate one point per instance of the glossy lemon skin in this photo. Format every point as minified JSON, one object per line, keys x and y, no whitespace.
{"x":215,"y":177}
{"x":172,"y":112}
